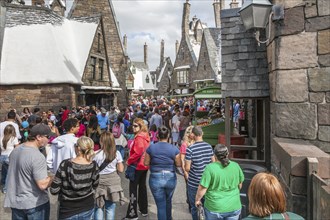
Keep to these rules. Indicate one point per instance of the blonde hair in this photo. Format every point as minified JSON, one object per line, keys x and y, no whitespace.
{"x":8,"y":133}
{"x":186,"y":137}
{"x":86,"y":145}
{"x":266,"y":195}
{"x":140,"y":122}
{"x":108,"y":145}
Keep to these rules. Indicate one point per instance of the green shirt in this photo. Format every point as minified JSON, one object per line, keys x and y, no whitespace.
{"x":277,"y":216}
{"x":223,"y":194}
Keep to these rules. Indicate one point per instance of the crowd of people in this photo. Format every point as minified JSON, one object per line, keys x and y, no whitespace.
{"x":79,"y":153}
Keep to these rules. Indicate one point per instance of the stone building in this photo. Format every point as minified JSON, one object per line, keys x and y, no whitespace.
{"x":198,"y":56}
{"x":143,"y":84}
{"x":287,"y":85}
{"x":161,"y":77}
{"x":115,"y":52}
{"x":43,"y":64}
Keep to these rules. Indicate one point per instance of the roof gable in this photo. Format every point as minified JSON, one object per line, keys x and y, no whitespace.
{"x":40,"y":47}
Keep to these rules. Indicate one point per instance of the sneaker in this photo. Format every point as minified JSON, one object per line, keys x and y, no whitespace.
{"x":143,"y":214}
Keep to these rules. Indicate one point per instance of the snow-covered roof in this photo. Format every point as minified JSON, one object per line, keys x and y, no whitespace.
{"x":141,"y":72}
{"x":161,"y":73}
{"x":47,"y":50}
{"x":61,"y":2}
{"x":182,"y":67}
{"x":100,"y":88}
{"x":114,"y":80}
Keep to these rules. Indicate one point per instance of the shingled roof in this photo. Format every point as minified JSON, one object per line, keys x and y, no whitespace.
{"x":40,"y":47}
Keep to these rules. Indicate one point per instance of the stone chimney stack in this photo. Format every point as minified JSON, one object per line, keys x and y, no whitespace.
{"x":145,"y":53}
{"x":162,"y":45}
{"x":176,"y":47}
{"x":185,"y":18}
{"x":125,"y":43}
{"x":218,"y":5}
{"x":58,"y":7}
{"x":233,"y":4}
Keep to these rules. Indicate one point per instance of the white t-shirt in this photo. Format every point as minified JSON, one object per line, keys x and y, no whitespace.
{"x":10,"y":146}
{"x":121,"y":141}
{"x":112,"y":166}
{"x":175,"y":123}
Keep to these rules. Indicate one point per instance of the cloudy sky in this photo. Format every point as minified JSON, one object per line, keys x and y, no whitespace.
{"x":150,"y":21}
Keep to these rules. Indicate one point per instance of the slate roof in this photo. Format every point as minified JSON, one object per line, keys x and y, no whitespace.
{"x":212,"y":37}
{"x":40,"y":47}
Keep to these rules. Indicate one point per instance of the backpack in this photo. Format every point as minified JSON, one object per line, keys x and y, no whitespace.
{"x":116,"y":130}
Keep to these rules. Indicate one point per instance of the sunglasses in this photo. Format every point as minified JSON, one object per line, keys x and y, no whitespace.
{"x":136,"y":126}
{"x":46,"y":136}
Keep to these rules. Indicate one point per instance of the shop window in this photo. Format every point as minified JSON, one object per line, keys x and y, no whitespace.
{"x":101,"y":62}
{"x":182,"y":77}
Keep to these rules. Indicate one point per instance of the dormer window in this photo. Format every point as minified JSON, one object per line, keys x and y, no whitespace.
{"x":147,"y":79}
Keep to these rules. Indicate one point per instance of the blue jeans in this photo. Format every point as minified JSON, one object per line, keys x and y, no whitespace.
{"x":162,"y":185}
{"x":37,"y":213}
{"x":191,"y":197}
{"x":4,"y":160}
{"x":234,"y":215}
{"x":87,"y":215}
{"x":110,"y":209}
{"x":121,"y":150}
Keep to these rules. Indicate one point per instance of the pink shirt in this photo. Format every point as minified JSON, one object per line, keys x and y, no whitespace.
{"x":183,"y":148}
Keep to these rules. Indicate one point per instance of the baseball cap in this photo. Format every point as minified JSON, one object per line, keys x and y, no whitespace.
{"x":25,"y":124}
{"x":197,"y":130}
{"x":40,"y":129}
{"x":103,"y":111}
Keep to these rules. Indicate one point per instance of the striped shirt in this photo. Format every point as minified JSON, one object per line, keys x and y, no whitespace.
{"x":199,"y":154}
{"x":75,"y":184}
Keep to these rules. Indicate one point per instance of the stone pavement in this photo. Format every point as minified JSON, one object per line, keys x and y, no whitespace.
{"x":179,"y":205}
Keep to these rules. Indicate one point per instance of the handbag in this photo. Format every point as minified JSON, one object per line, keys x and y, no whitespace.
{"x":130,"y":172}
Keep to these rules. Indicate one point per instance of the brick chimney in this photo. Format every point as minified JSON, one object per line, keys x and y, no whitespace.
{"x":185,"y":18}
{"x":218,"y":5}
{"x":145,"y":53}
{"x":162,"y":43}
{"x":233,"y":4}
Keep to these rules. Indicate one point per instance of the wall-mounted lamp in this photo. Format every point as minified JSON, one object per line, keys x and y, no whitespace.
{"x":257,"y":13}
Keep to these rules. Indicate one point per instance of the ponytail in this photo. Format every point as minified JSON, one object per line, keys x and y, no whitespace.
{"x":221,"y":152}
{"x":86,"y":146}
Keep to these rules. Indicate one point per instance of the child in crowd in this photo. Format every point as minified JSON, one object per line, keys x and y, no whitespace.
{"x":153,"y":134}
{"x":130,"y":137}
{"x":7,"y":143}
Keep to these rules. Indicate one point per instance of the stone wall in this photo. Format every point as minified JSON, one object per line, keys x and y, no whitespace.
{"x":299,"y":74}
{"x":299,"y":65}
{"x":244,"y":63}
{"x":42,"y":96}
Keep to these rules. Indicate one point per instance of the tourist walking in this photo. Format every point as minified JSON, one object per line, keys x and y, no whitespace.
{"x":109,"y":192}
{"x":11,"y":119}
{"x":63,"y":146}
{"x":163,"y":158}
{"x":27,"y":178}
{"x":75,"y":181}
{"x":221,"y":183}
{"x":137,"y":187}
{"x":7,"y":144}
{"x":264,"y":187}
{"x":198,"y":155}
